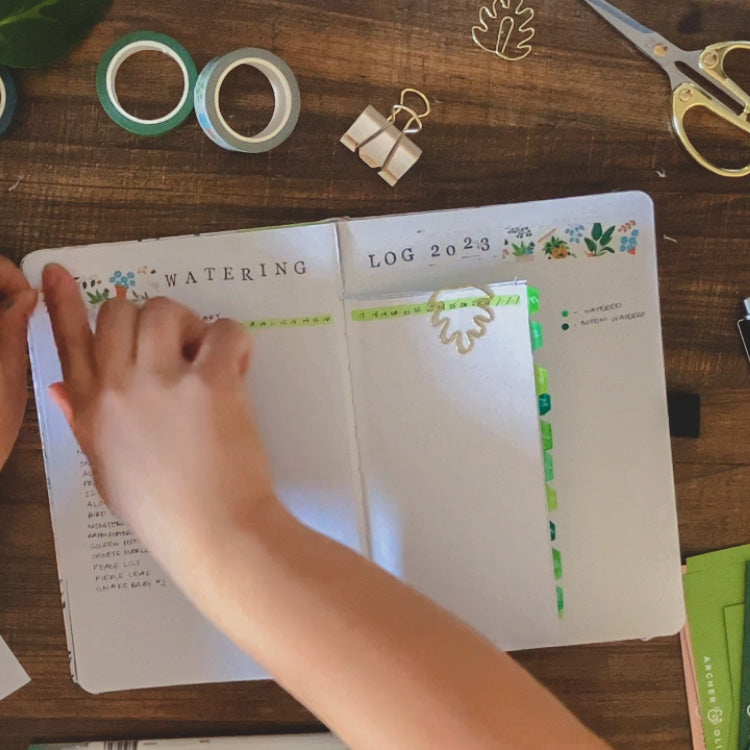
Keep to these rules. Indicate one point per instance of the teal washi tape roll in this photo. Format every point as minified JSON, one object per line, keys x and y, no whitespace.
{"x":7,"y":99}
{"x":285,"y":92}
{"x":115,"y":56}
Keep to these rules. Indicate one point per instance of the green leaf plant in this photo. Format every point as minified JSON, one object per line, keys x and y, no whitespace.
{"x":598,"y":243}
{"x":34,"y":33}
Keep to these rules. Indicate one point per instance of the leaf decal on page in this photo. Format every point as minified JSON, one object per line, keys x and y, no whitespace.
{"x":463,"y":339}
{"x":504,"y":29}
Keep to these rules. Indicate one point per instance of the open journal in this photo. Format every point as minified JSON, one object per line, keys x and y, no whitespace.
{"x":396,"y":387}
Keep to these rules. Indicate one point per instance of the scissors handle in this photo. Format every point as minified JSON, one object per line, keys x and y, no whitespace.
{"x":689,"y":96}
{"x":712,"y":64}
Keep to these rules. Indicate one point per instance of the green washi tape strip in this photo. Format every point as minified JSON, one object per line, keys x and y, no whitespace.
{"x":552,"y":531}
{"x":404,"y":311}
{"x":545,"y":404}
{"x":551,"y":499}
{"x":306,"y":321}
{"x":549,"y":467}
{"x":115,"y":56}
{"x":541,"y":378}
{"x":537,"y":335}
{"x":560,"y":601}
{"x":557,"y":560}
{"x":534,"y":300}
{"x":547,"y":441}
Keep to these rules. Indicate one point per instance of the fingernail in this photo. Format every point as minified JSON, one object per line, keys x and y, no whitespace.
{"x":52,"y":274}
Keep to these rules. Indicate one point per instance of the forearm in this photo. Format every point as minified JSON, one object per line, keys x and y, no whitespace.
{"x":377,"y":662}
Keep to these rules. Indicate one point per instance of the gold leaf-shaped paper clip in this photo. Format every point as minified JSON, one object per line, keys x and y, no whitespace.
{"x":505,"y":34}
{"x":463,"y":339}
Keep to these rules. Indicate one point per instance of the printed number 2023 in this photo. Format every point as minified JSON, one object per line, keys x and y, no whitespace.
{"x":469,"y":243}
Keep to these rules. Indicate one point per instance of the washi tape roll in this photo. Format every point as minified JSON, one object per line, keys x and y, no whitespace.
{"x":285,"y":92}
{"x":115,"y":56}
{"x":7,"y":99}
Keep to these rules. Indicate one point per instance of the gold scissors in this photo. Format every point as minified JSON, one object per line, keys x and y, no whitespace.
{"x":687,"y":93}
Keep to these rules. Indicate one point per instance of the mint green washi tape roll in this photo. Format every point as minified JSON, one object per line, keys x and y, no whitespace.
{"x":285,"y":92}
{"x":115,"y":56}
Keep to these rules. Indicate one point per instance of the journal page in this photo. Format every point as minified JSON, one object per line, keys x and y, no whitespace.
{"x":128,"y":624}
{"x":450,"y":454}
{"x":610,"y":490}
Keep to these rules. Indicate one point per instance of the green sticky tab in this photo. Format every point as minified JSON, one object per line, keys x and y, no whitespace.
{"x":547,"y":442}
{"x":545,"y":404}
{"x":552,"y":531}
{"x":551,"y":498}
{"x":549,"y":466}
{"x":541,"y":377}
{"x":537,"y":335}
{"x":534,"y":300}
{"x":560,"y":601}
{"x":557,"y":560}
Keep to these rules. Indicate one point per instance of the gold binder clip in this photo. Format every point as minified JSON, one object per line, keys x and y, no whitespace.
{"x":381,"y":144}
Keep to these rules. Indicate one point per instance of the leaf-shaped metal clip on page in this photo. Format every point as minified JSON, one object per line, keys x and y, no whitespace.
{"x":381,"y":144}
{"x":464,"y":340}
{"x":504,"y":29}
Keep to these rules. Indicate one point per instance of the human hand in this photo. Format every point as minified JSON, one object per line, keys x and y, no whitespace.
{"x":17,"y":300}
{"x":156,"y":399}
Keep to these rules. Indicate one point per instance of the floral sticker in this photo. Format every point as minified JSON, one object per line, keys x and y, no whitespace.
{"x":122,"y":284}
{"x":629,"y":238}
{"x":557,"y":248}
{"x":519,"y":244}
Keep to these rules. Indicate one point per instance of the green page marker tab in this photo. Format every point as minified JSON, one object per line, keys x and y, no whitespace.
{"x":549,"y":466}
{"x":537,"y":335}
{"x":551,"y":499}
{"x":541,"y":378}
{"x":557,"y":560}
{"x":552,"y":531}
{"x":547,"y":442}
{"x":534,"y":300}
{"x":560,"y":601}
{"x":545,"y":404}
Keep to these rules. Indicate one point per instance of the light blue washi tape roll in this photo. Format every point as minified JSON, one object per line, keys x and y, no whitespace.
{"x":115,"y":56}
{"x":286,"y":97}
{"x":7,"y":99}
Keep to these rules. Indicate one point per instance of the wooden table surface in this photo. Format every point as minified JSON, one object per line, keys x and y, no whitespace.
{"x":583,"y":113}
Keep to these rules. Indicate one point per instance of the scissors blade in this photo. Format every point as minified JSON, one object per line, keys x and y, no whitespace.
{"x":647,"y":40}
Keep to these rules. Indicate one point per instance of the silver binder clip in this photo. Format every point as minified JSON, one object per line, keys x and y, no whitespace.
{"x":381,"y":144}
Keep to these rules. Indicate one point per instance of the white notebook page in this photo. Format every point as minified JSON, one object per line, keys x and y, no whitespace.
{"x":128,"y":625}
{"x":451,"y":461}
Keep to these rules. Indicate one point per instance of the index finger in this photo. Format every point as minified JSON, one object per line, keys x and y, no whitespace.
{"x":70,"y":326}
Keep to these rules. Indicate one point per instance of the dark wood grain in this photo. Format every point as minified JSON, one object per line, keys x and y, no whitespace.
{"x":583,"y":113}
